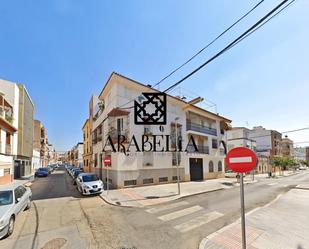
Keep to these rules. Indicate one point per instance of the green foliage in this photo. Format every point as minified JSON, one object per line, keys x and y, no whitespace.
{"x":284,"y":162}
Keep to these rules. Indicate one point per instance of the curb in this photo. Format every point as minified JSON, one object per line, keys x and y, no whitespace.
{"x":205,"y":240}
{"x":181,"y":197}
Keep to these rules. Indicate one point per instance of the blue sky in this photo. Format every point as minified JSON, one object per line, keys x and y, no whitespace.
{"x":64,"y":50}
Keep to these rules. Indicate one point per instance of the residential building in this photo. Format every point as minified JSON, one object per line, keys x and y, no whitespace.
{"x":44,"y":153}
{"x":239,"y":137}
{"x":87,"y":155}
{"x":307,"y":153}
{"x":75,"y":155}
{"x":23,"y":113}
{"x":268,"y":142}
{"x":184,"y":121}
{"x":287,"y":147}
{"x":300,"y":153}
{"x":8,"y":144}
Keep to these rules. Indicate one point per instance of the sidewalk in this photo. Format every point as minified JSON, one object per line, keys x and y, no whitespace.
{"x":280,"y":224}
{"x":155,"y":194}
{"x":26,"y":180}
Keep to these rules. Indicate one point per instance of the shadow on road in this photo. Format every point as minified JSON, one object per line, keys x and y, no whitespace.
{"x":57,"y":185}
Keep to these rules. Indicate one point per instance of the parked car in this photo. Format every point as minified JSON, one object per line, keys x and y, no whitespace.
{"x":75,"y":175}
{"x":42,"y":172}
{"x":230,"y":174}
{"x":14,"y":198}
{"x":303,"y":168}
{"x":89,"y":183}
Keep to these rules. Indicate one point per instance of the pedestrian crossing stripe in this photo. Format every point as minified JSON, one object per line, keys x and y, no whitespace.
{"x":180,"y":213}
{"x":198,"y":221}
{"x":166,"y":207}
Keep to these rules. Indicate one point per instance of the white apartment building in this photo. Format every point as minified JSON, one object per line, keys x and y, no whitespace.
{"x":239,"y":137}
{"x":115,"y":116}
{"x":268,"y":142}
{"x":7,"y":146}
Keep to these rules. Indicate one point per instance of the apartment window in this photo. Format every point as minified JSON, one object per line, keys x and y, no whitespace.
{"x":95,"y":160}
{"x":211,"y":166}
{"x":129,"y":182}
{"x":163,"y":179}
{"x":219,"y":166}
{"x":120,"y":124}
{"x":101,"y":160}
{"x":100,"y":129}
{"x":148,"y":181}
{"x":175,"y":160}
{"x":6,"y":171}
{"x":174,"y":178}
{"x":214,"y":143}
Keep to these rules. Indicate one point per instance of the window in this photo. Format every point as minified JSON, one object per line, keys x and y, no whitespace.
{"x":129,"y":182}
{"x":215,"y":144}
{"x":219,"y":166}
{"x":148,"y":181}
{"x":163,"y":179}
{"x":120,"y":124}
{"x":211,"y":166}
{"x":7,"y":171}
{"x":174,"y":178}
{"x":101,"y":160}
{"x":95,"y":160}
{"x":175,"y":160}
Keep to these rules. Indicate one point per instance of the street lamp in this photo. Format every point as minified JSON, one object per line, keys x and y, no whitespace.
{"x":176,"y":146}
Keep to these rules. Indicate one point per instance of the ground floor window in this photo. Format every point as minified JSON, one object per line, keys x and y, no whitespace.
{"x":148,"y":181}
{"x":211,"y":166}
{"x":219,"y":166}
{"x":163,"y":179}
{"x":129,"y":182}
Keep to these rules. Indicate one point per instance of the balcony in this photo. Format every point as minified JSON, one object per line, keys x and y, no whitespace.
{"x":114,"y":134}
{"x":202,"y":149}
{"x":199,"y":128}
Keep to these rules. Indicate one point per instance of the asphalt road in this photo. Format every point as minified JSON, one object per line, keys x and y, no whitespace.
{"x":179,"y":224}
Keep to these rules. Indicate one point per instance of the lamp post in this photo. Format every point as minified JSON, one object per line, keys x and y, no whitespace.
{"x":176,"y":146}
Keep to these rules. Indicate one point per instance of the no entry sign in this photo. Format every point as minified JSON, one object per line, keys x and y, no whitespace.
{"x":241,"y":159}
{"x":107,"y":160}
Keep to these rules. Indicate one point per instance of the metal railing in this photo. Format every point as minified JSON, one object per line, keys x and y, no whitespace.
{"x":202,"y":149}
{"x":199,"y":128}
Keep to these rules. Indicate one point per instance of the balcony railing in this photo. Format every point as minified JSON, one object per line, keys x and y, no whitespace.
{"x":199,"y":128}
{"x":115,"y":133}
{"x":202,"y":149}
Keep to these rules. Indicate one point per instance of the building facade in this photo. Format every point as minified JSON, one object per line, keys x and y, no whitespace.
{"x":7,"y":143}
{"x":184,"y":121}
{"x":268,"y":142}
{"x":287,"y":147}
{"x":87,"y":138}
{"x":23,"y":113}
{"x":239,"y":137}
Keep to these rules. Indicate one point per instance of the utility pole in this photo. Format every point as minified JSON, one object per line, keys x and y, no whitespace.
{"x":176,"y":145}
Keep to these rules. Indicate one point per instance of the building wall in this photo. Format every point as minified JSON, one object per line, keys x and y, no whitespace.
{"x":37,"y":135}
{"x":138,"y":166}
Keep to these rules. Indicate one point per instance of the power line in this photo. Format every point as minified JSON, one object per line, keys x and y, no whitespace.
{"x":208,"y":45}
{"x":238,"y":39}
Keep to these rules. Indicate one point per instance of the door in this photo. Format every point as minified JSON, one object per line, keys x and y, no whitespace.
{"x":196,"y":169}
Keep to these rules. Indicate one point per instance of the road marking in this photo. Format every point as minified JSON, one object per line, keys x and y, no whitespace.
{"x":272,"y":184}
{"x":166,"y":207}
{"x":198,"y":221}
{"x":177,"y":214}
{"x":245,"y":159}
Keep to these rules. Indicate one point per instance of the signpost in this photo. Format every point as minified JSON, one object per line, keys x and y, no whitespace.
{"x":107,"y":161}
{"x":241,"y":160}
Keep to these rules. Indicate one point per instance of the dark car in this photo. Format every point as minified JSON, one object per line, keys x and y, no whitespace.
{"x":75,"y":174}
{"x":42,"y":172}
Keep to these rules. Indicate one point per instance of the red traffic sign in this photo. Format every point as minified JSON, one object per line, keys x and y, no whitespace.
{"x":107,"y":160}
{"x":241,"y":159}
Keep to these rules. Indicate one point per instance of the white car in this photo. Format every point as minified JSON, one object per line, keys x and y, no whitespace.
{"x":14,"y":198}
{"x":89,"y":183}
